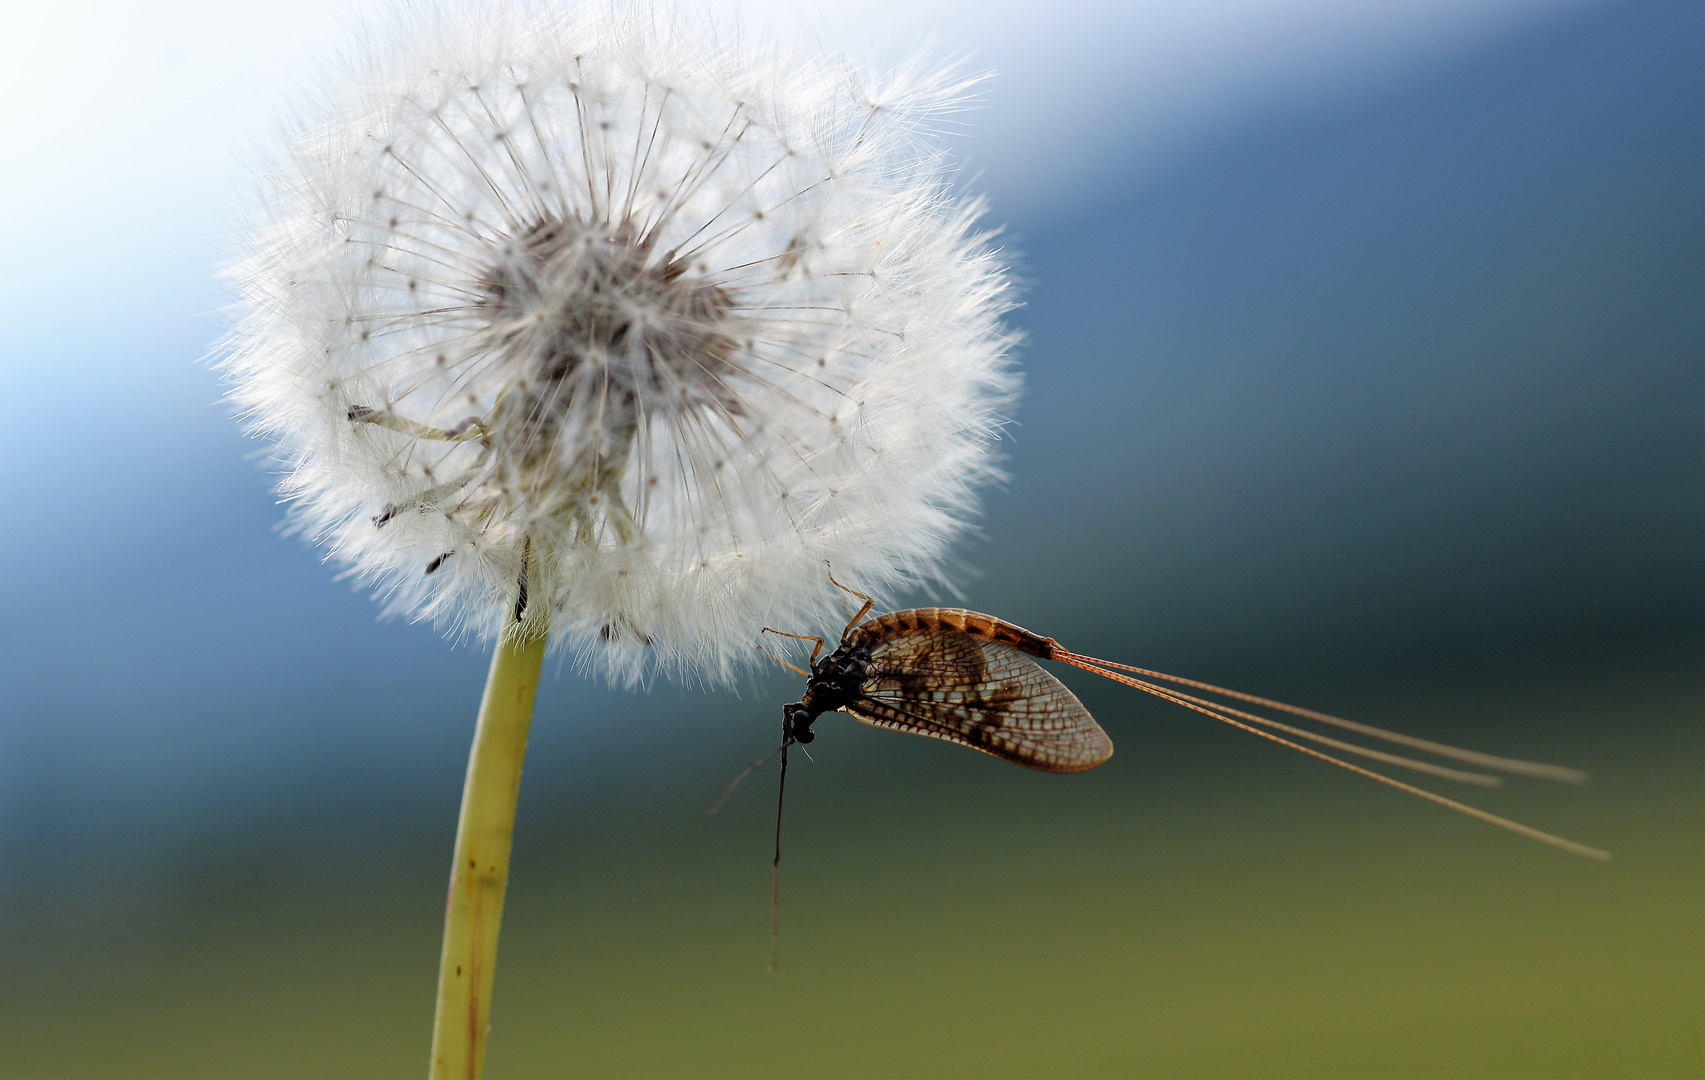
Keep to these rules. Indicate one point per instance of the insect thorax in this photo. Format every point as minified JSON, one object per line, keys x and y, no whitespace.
{"x":836,"y":680}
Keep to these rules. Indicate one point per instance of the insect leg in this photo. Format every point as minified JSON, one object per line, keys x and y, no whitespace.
{"x":801,"y":637}
{"x":784,"y":663}
{"x":862,"y":612}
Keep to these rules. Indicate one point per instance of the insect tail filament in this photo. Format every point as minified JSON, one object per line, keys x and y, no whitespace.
{"x":1195,"y":704}
{"x":1487,"y":761}
{"x":1461,"y":777}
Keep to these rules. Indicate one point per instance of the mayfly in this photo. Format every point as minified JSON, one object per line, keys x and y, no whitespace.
{"x":968,"y":678}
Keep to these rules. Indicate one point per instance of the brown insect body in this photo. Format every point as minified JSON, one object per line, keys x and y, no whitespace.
{"x":955,"y":675}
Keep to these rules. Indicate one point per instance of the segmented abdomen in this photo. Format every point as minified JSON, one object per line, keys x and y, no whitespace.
{"x":975,"y":623}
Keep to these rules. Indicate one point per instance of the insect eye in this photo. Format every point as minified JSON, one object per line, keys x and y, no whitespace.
{"x":799,"y":725}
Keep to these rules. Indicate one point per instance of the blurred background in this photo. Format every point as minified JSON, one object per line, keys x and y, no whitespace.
{"x":1364,"y":371}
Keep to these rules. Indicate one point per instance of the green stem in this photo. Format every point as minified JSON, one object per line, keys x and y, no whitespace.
{"x":481,"y":871}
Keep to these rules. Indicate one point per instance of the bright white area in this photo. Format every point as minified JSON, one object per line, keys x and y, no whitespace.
{"x":125,"y":126}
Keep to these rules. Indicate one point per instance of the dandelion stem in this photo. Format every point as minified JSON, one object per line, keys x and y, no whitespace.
{"x":474,"y":911}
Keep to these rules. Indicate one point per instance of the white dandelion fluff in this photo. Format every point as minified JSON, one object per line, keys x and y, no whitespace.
{"x":648,"y":317}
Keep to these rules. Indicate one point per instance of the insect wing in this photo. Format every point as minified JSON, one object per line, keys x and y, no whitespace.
{"x":969,"y":690}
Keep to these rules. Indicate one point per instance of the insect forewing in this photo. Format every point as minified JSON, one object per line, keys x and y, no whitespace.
{"x":967,"y":689}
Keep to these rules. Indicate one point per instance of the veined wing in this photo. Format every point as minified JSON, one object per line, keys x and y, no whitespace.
{"x":951,"y":685}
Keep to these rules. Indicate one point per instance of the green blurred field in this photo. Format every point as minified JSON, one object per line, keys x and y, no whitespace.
{"x":1199,"y":907}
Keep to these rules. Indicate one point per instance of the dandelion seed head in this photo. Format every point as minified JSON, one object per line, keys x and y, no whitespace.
{"x":660,"y":316}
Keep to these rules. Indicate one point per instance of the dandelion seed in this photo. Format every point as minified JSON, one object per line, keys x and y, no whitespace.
{"x":681,"y":316}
